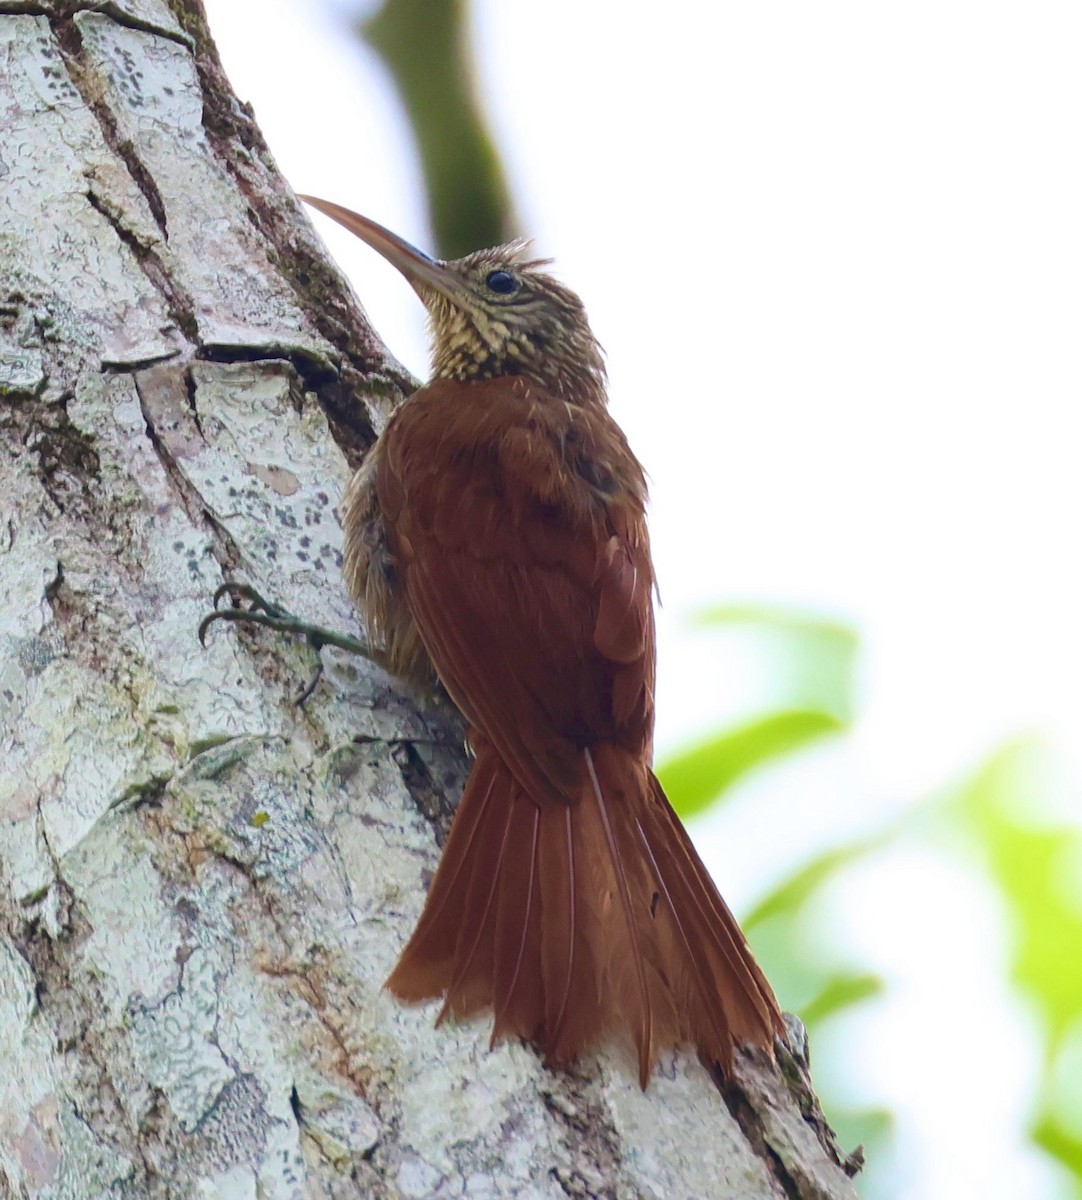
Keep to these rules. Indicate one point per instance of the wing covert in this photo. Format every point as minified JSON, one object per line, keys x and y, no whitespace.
{"x":529,"y":582}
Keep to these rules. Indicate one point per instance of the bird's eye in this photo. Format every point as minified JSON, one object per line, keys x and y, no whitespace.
{"x":503,"y":283}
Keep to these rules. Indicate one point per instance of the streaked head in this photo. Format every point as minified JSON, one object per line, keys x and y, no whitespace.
{"x":494,"y":312}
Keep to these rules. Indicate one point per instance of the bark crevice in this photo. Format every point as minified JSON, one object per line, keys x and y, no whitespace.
{"x":70,"y":41}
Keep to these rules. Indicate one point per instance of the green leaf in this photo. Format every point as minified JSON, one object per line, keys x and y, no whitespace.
{"x":814,"y":984}
{"x":871,"y":1129}
{"x":840,"y":992}
{"x":776,"y":617}
{"x":697,"y":777}
{"x":1036,"y":869}
{"x":1060,"y":1143}
{"x":812,"y":660}
{"x":793,"y":893}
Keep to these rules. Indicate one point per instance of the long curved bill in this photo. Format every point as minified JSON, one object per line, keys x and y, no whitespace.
{"x":417,"y":266}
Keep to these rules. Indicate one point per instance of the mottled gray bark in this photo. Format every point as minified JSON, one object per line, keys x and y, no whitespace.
{"x":202,"y":887}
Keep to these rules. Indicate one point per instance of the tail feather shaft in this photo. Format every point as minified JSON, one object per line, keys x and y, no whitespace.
{"x":518,"y":932}
{"x":643,"y":1033}
{"x":476,"y":924}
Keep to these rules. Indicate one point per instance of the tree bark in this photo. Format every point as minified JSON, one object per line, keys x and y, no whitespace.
{"x":202,"y":887}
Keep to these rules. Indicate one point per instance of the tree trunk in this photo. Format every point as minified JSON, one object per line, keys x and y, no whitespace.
{"x":202,"y":887}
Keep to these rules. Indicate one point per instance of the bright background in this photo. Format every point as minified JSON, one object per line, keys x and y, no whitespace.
{"x":834,"y":253}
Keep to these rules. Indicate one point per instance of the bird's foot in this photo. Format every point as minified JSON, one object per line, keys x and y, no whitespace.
{"x":249,"y":608}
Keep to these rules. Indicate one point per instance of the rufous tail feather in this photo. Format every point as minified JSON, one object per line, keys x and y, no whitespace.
{"x":574,"y":921}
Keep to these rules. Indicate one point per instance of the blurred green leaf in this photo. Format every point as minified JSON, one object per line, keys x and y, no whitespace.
{"x":1035,"y":868}
{"x":808,"y":976}
{"x":840,"y":992}
{"x":813,"y":659}
{"x":696,"y":778}
{"x":804,"y":885}
{"x":872,"y":1130}
{"x":777,"y":617}
{"x":817,"y":985}
{"x":1061,"y":1144}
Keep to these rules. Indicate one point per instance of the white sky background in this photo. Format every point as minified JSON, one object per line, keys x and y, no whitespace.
{"x":834,"y":252}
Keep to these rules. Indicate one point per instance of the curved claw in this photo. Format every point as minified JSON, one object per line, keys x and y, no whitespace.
{"x":238,"y":592}
{"x":232,"y":614}
{"x":226,"y":589}
{"x":305,"y":694}
{"x":205,"y":624}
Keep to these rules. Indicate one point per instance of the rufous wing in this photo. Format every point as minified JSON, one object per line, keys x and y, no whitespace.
{"x":517,"y":525}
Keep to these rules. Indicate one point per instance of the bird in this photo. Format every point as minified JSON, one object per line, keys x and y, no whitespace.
{"x":495,"y":539}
